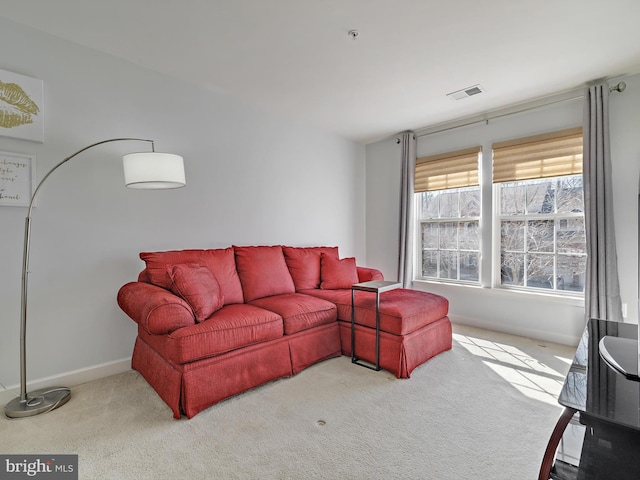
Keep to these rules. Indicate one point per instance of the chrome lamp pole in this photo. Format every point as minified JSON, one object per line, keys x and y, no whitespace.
{"x":144,"y":170}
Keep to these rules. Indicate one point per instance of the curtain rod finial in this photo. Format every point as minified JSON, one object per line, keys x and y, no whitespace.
{"x":620,"y":87}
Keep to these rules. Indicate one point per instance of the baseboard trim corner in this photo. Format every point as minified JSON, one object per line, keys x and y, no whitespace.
{"x":70,"y":379}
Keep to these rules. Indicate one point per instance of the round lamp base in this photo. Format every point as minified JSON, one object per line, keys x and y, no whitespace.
{"x":39,"y":401}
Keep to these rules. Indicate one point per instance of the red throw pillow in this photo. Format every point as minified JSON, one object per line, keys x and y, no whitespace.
{"x":304,"y":264}
{"x":337,"y":274}
{"x":199,"y":288}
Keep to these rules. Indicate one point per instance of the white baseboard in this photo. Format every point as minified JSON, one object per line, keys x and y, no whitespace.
{"x":516,"y":330}
{"x":69,"y":379}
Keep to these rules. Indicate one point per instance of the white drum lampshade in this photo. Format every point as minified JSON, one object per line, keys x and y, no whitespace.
{"x":153,"y":170}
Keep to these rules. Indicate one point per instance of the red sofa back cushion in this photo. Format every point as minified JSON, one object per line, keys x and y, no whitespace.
{"x":220,"y":261}
{"x":263,"y":272}
{"x":304,"y":264}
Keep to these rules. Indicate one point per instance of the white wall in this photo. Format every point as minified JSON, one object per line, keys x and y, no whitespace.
{"x":625,"y":155}
{"x":560,"y":320}
{"x":252,"y":178}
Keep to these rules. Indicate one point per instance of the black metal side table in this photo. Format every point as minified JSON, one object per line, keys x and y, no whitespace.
{"x":377,"y":287}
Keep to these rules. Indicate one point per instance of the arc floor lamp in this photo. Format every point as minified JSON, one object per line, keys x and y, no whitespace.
{"x":145,"y":170}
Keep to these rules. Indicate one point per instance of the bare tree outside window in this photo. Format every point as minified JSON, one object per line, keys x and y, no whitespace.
{"x":542,"y":234}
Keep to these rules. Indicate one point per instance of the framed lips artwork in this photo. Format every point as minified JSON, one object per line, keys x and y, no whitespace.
{"x":21,"y":107}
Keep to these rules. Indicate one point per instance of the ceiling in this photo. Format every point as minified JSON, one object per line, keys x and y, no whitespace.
{"x":296,"y":58}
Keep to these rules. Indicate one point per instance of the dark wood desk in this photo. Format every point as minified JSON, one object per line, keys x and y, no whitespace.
{"x":607,"y":403}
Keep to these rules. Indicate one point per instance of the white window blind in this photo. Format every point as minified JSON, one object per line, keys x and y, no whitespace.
{"x":541,"y":156}
{"x":447,"y":170}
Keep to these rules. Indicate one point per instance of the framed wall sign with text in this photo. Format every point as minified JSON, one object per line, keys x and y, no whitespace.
{"x":17,"y":179}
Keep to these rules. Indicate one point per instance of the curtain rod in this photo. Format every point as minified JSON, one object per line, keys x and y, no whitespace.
{"x":620,"y":87}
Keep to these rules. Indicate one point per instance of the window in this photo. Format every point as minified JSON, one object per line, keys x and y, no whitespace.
{"x":449,"y":221}
{"x":448,"y":197}
{"x":541,"y":212}
{"x":538,"y":241}
{"x":542,"y":234}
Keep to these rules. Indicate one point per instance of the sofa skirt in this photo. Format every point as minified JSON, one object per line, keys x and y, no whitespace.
{"x":192,"y":387}
{"x":399,"y":354}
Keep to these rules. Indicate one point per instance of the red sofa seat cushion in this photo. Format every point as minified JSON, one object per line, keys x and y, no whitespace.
{"x":263,"y":272}
{"x":220,"y":261}
{"x":402,"y":311}
{"x":232,"y":327}
{"x":299,"y":312}
{"x":304,"y":264}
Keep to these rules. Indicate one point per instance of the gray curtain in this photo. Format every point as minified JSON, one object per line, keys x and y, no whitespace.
{"x":405,"y":260}
{"x":602,"y":287}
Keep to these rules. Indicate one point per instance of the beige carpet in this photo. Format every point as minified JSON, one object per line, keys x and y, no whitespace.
{"x":484,"y":410}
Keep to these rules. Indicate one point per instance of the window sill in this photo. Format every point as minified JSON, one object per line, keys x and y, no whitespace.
{"x":573,"y":300}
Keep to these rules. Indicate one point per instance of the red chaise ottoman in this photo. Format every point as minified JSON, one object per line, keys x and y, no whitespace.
{"x":414,"y":326}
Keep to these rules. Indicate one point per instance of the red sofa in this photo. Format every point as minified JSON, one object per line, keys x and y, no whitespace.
{"x":214,"y":323}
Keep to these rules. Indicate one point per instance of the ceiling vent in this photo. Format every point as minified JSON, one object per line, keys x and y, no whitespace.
{"x":466,"y":92}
